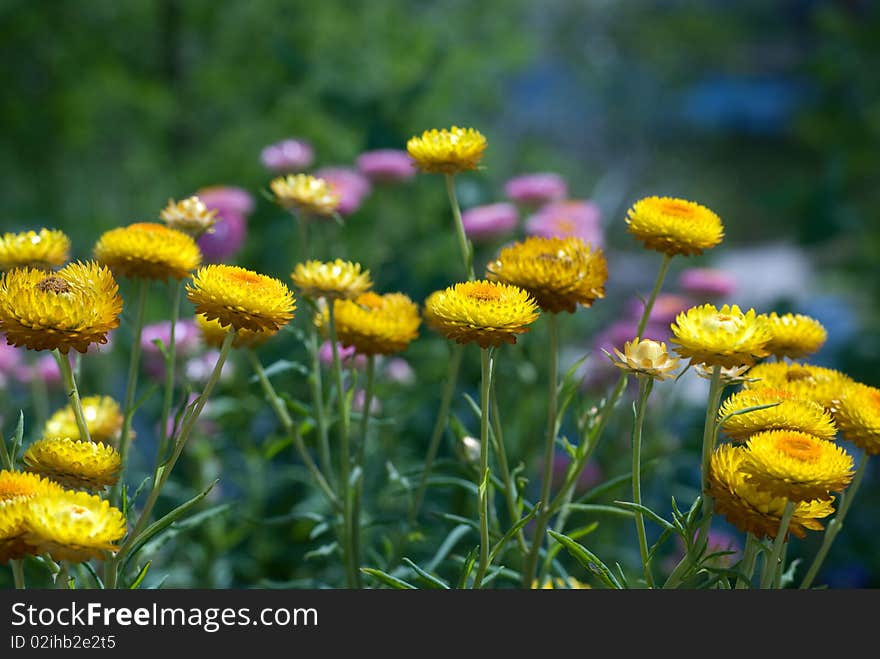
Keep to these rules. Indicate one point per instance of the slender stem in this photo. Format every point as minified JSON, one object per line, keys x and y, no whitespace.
{"x":170,"y":363}
{"x":483,"y":477}
{"x":7,"y":460}
{"x":350,"y":545}
{"x":18,"y":573}
{"x":514,"y":505}
{"x":73,"y":395}
{"x":317,"y":385}
{"x":747,"y":564}
{"x":549,"y":449}
{"x":439,"y":427}
{"x":360,"y":454}
{"x":283,"y":415}
{"x":780,"y":568}
{"x":836,"y":524}
{"x":771,"y":561}
{"x":467,"y":251}
{"x":61,"y":577}
{"x":658,"y":284}
{"x":645,"y":384}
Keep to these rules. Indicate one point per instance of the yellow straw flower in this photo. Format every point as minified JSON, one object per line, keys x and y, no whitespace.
{"x":752,"y":510}
{"x":15,"y":484}
{"x":674,"y":226}
{"x":796,"y":466}
{"x":375,"y":324}
{"x":857,"y":412}
{"x":333,"y":280}
{"x":213,"y":334}
{"x":103,"y":418}
{"x":795,"y":335}
{"x":726,"y":337}
{"x":12,"y":529}
{"x":72,"y":526}
{"x":560,"y":273}
{"x":482,"y":312}
{"x":74,"y":463}
{"x":816,"y":383}
{"x":447,"y":151}
{"x":148,"y":250}
{"x":305,"y":193}
{"x":731,"y":375}
{"x":190,"y":215}
{"x":44,"y":249}
{"x":71,"y":308}
{"x":241,"y":298}
{"x":646,"y":357}
{"x":791,"y":413}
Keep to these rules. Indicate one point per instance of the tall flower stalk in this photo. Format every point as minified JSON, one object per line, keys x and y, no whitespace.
{"x":483,"y":480}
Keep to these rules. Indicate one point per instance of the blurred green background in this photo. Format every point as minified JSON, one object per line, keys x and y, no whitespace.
{"x":768,"y":113}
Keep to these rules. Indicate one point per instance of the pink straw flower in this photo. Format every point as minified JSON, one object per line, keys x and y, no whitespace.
{"x":536,"y":189}
{"x":386,"y":166}
{"x":489,"y":221}
{"x":233,"y":205}
{"x":562,"y":219}
{"x":707,"y":283}
{"x":351,"y":186}
{"x":288,"y":156}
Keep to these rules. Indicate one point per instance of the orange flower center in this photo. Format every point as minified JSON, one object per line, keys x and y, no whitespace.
{"x":874,"y":398}
{"x":246,"y":277}
{"x":483,"y":291}
{"x":799,"y":448}
{"x":53,"y":284}
{"x":151,"y":227}
{"x":678,"y":209}
{"x":370,"y":300}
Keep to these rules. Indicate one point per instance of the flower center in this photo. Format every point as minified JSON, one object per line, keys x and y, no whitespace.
{"x":723,"y":322}
{"x":150,"y":227}
{"x":53,"y":284}
{"x":483,"y":291}
{"x":799,"y":448}
{"x":245,"y":277}
{"x":678,"y":209}
{"x":370,"y":300}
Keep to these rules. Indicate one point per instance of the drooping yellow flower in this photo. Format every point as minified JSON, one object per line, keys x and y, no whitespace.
{"x":241,"y":298}
{"x":731,"y":375}
{"x":646,"y":357}
{"x":795,"y":335}
{"x":72,"y":308}
{"x":148,"y":250}
{"x":809,"y":382}
{"x":74,"y":463}
{"x":13,"y":528}
{"x":306,"y":194}
{"x":375,"y":324}
{"x":796,"y":466}
{"x":190,"y":215}
{"x":14,"y":484}
{"x":72,"y":526}
{"x":483,"y":312}
{"x":560,"y":273}
{"x":213,"y":334}
{"x":447,"y":151}
{"x":791,"y":413}
{"x":332,"y":280}
{"x":45,"y":249}
{"x":752,"y":510}
{"x":103,"y":418}
{"x":726,"y":337}
{"x":857,"y":412}
{"x":674,"y":226}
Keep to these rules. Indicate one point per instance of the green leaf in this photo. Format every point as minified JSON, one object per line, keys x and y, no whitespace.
{"x":600,"y":509}
{"x":650,"y":514}
{"x":512,"y":532}
{"x":609,"y":485}
{"x":280,"y":366}
{"x":91,"y":570}
{"x":588,"y":559}
{"x":448,"y":544}
{"x":17,"y":438}
{"x":456,"y":482}
{"x":788,"y":576}
{"x":139,"y":579}
{"x":394,"y":476}
{"x":387,"y":579}
{"x":574,"y":535}
{"x":468,"y":566}
{"x":275,"y":447}
{"x":746,"y":410}
{"x":323,"y":550}
{"x":432,"y":580}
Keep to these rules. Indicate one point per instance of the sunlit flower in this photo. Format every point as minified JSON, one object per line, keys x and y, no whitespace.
{"x":560,"y":273}
{"x":646,"y":357}
{"x":536,"y":189}
{"x":789,"y":413}
{"x":674,"y":226}
{"x":44,"y":249}
{"x":386,"y":165}
{"x":482,"y":312}
{"x":333,"y":280}
{"x":213,"y":334}
{"x":570,"y":218}
{"x":241,"y":298}
{"x":726,"y":337}
{"x":447,"y":151}
{"x":306,"y":194}
{"x":72,"y":526}
{"x":71,"y":308}
{"x":752,"y":510}
{"x":12,"y":529}
{"x":74,"y":463}
{"x":489,"y":221}
{"x":375,"y":324}
{"x":190,"y":215}
{"x":148,"y":250}
{"x":103,"y":418}
{"x":857,"y":411}
{"x":815,"y":383}
{"x":290,"y":155}
{"x":17,"y":484}
{"x":795,"y":335}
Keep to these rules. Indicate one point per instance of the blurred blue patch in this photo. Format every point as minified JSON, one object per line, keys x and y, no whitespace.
{"x":839,"y":317}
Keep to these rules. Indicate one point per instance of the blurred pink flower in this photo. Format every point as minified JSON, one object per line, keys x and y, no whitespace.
{"x":10,"y":357}
{"x":666,"y":307}
{"x":489,"y":221}
{"x":357,"y":403}
{"x":289,"y":155}
{"x":561,"y":219}
{"x":233,"y":205}
{"x":349,"y":184}
{"x":386,"y":166}
{"x":44,"y":368}
{"x":346,"y":356}
{"x":187,"y":342}
{"x":198,"y":369}
{"x":398,"y":370}
{"x":536,"y":189}
{"x":707,"y":283}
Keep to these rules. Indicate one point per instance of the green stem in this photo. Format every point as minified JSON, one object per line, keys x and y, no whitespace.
{"x":768,"y":573}
{"x":747,"y":564}
{"x":645,"y":384}
{"x":18,"y":573}
{"x":836,"y":525}
{"x":170,"y":362}
{"x":350,"y":545}
{"x":780,"y":568}
{"x":73,"y":395}
{"x":439,"y":427}
{"x":549,"y":449}
{"x":360,"y":454}
{"x":658,"y":284}
{"x":7,"y":460}
{"x":317,"y":385}
{"x":290,"y":427}
{"x":514,"y":506}
{"x":467,"y":251}
{"x":483,"y":476}
{"x":61,"y":577}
